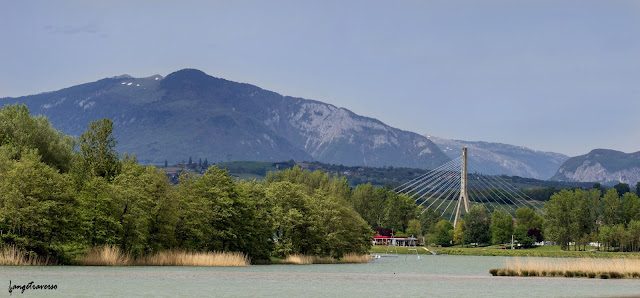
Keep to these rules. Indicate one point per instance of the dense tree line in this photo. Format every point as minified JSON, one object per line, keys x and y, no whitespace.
{"x":581,"y":217}
{"x":571,"y":217}
{"x":59,"y":197}
{"x":481,"y":227}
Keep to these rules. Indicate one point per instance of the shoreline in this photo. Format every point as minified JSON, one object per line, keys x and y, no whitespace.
{"x":541,"y":252}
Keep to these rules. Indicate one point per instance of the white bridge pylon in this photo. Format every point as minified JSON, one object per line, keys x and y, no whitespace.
{"x":439,"y":188}
{"x":464,"y":196}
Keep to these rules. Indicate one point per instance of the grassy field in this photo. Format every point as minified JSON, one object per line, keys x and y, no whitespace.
{"x":551,"y":251}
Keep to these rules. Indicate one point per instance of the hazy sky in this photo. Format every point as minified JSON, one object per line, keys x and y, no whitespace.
{"x":559,"y":76}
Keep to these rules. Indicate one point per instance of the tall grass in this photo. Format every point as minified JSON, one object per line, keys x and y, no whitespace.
{"x":184,"y":258}
{"x":107,"y":255}
{"x":300,"y":259}
{"x":10,"y":255}
{"x":585,"y":267}
{"x":356,"y":258}
{"x":112,"y":256}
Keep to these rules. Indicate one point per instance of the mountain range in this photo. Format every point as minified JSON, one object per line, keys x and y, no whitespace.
{"x":191,"y":114}
{"x":601,"y":165}
{"x":497,"y":158}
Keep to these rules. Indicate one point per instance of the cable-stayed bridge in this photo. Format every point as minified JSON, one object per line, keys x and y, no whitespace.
{"x":449,"y":190}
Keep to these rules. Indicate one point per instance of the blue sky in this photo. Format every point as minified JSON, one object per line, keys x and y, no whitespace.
{"x":560,"y":76}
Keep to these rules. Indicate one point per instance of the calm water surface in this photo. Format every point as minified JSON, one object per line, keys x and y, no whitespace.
{"x":431,"y":276}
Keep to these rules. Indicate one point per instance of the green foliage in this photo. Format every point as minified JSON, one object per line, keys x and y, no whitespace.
{"x":630,"y":207}
{"x":98,"y":157}
{"x":20,"y":133}
{"x":458,"y":233}
{"x":600,"y":187}
{"x":311,"y":214}
{"x":528,"y":219}
{"x":560,"y":226}
{"x":633,"y":230}
{"x":294,"y":225}
{"x":477,"y":222}
{"x":443,"y":233}
{"x":622,"y":188}
{"x":501,"y":227}
{"x":39,"y":207}
{"x":345,"y":231}
{"x":399,"y":210}
{"x":105,"y":200}
{"x":611,"y":207}
{"x":414,"y":228}
{"x":572,"y":215}
{"x":369,"y":203}
{"x":428,"y":219}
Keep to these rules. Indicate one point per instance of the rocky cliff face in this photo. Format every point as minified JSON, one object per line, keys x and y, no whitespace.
{"x":601,"y":165}
{"x":190,"y":113}
{"x":496,"y":158}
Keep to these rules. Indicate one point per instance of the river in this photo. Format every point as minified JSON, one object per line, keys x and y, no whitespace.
{"x":401,"y":276}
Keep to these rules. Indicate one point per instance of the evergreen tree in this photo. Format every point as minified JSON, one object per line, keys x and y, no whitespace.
{"x":622,"y":188}
{"x":600,"y":187}
{"x":205,"y":165}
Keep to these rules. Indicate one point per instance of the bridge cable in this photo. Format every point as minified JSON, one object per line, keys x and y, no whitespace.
{"x":437,"y":176}
{"x":447,"y":186}
{"x":506,"y":186}
{"x":433,"y":183}
{"x":455,"y":186}
{"x":516,"y":190}
{"x":425,"y":175}
{"x":488,"y":189}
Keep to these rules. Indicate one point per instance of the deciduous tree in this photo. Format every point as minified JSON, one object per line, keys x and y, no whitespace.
{"x":501,"y":227}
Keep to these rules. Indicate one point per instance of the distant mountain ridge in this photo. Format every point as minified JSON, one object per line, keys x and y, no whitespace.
{"x":189,"y":113}
{"x":497,"y":158}
{"x":601,"y":165}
